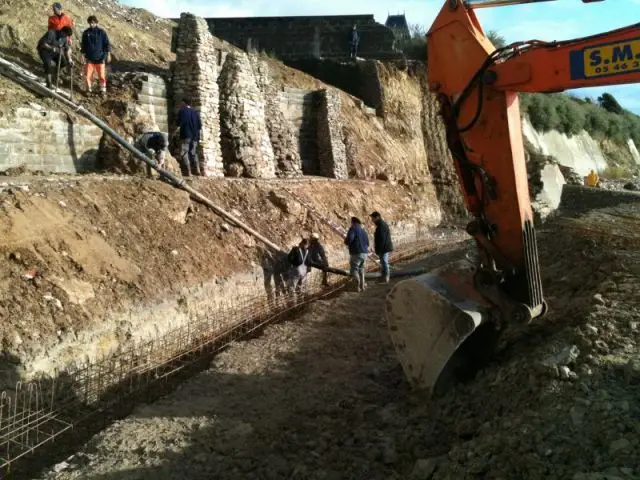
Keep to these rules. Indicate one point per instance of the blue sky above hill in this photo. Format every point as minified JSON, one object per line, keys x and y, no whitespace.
{"x":559,"y":20}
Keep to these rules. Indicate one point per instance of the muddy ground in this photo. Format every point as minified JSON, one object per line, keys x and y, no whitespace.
{"x":323,"y":396}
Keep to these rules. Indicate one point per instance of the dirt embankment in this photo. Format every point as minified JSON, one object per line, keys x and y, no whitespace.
{"x":563,"y":402}
{"x":77,"y":252}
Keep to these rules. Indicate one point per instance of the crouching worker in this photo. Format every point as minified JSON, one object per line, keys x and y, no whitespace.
{"x":54,"y":48}
{"x":299,"y":261}
{"x":318,"y":256}
{"x":153,"y":145}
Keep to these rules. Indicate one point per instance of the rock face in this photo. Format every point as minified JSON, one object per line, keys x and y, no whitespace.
{"x":194,"y":74}
{"x":245,"y":139}
{"x":332,"y":152}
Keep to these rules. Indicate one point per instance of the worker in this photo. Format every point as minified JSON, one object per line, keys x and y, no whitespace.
{"x":153,"y":144}
{"x":53,"y":47}
{"x":383,"y":245}
{"x":318,"y":256}
{"x":299,"y":261}
{"x":358,"y":242}
{"x":96,"y":53}
{"x":59,"y":19}
{"x":593,"y":179}
{"x":190,"y":127}
{"x":354,"y":40}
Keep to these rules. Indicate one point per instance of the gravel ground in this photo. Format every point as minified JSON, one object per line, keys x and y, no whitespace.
{"x":323,"y":397}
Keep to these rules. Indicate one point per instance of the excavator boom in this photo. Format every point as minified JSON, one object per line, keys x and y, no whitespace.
{"x":433,"y":316}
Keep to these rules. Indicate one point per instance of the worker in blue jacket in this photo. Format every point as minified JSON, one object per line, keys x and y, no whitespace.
{"x":358,"y":242}
{"x":96,"y":53}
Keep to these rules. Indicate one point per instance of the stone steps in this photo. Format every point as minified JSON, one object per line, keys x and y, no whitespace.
{"x":145,"y":99}
{"x":158,"y":91}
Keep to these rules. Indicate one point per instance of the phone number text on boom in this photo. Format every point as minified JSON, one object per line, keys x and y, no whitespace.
{"x":612,"y":59}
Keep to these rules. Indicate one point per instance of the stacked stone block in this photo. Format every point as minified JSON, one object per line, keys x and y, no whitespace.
{"x":194,"y":75}
{"x":245,"y":142}
{"x":151,"y":94}
{"x":40,"y":139}
{"x":332,"y":153}
{"x":285,"y":147}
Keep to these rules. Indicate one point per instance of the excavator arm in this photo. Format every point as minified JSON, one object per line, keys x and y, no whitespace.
{"x":477,"y":86}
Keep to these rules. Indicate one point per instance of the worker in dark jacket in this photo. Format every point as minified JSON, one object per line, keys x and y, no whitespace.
{"x":383,"y":245}
{"x":190,"y":127}
{"x":154,"y":145}
{"x":354,"y":40}
{"x":318,"y":256}
{"x":53,"y":47}
{"x":358,"y":242}
{"x":96,"y":53}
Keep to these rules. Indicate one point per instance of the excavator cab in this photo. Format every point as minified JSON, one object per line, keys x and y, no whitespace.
{"x":447,"y":322}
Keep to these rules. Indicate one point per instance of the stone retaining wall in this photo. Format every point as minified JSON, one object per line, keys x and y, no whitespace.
{"x":245,"y":142}
{"x":299,"y":108}
{"x":281,"y":132}
{"x":253,"y":129}
{"x":359,"y":79}
{"x":332,"y":155}
{"x":152,"y":93}
{"x":46,"y":140}
{"x":304,"y":37}
{"x":195,"y":74}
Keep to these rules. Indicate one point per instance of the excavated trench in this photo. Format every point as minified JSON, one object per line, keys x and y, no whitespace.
{"x":321,"y":395}
{"x":86,"y":402}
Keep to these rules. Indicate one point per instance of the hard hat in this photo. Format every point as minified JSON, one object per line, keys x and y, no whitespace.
{"x":315,"y":236}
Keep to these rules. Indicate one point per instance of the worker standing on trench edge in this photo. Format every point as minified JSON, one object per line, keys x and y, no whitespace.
{"x":96,"y":53}
{"x":54,"y":47}
{"x":318,"y":256}
{"x":383,"y":245}
{"x":354,"y":40}
{"x":190,"y":127}
{"x":357,"y":241}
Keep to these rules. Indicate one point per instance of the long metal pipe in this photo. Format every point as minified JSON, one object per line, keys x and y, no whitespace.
{"x":7,"y":69}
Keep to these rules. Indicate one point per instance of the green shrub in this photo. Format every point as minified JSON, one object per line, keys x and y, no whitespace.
{"x":570,"y":115}
{"x":616,"y":173}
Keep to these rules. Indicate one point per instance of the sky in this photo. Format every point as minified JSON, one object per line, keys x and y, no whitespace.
{"x":554,"y":20}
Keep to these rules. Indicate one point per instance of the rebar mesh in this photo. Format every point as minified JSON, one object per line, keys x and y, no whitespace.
{"x":36,"y":413}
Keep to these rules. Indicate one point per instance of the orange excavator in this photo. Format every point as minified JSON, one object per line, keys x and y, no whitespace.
{"x":446,"y":321}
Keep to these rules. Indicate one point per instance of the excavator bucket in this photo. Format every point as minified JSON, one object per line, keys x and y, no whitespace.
{"x":439,"y":325}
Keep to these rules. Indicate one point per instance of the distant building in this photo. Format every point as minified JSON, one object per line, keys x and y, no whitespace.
{"x":398,"y":24}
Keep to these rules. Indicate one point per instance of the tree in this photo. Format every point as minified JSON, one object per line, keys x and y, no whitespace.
{"x":497,"y":39}
{"x":414,"y":47}
{"x":609,"y":103}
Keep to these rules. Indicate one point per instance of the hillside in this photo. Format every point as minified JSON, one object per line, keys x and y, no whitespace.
{"x":616,"y":131}
{"x":398,"y":164}
{"x":140,"y":40}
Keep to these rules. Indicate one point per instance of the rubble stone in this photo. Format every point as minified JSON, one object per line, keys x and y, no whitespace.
{"x":332,"y":152}
{"x":242,"y":113}
{"x":194,"y":74}
{"x":285,"y":147}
